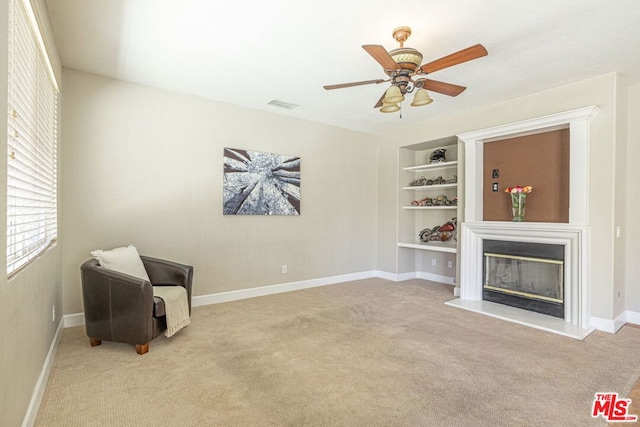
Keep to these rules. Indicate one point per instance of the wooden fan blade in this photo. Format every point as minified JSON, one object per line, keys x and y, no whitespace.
{"x":464,"y":55}
{"x":382,"y":56}
{"x":379,"y":103}
{"x":364,"y":82}
{"x":442,"y":87}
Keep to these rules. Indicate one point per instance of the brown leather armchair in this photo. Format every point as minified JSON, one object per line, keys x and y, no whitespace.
{"x":122,"y":308}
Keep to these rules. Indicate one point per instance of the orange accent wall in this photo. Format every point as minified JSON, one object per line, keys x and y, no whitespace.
{"x":541,"y":161}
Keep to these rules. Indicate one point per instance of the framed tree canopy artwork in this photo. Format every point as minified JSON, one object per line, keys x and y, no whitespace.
{"x":258,"y":183}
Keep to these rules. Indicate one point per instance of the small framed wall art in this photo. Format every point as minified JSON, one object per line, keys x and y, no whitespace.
{"x":257,"y":183}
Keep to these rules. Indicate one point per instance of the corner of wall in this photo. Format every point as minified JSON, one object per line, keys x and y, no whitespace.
{"x":631,"y":229}
{"x":621,"y":198}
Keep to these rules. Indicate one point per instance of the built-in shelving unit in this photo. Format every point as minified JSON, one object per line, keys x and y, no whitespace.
{"x":430,"y":171}
{"x":434,"y":259}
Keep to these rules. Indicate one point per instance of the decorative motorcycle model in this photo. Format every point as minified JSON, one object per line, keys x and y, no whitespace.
{"x":440,"y":233}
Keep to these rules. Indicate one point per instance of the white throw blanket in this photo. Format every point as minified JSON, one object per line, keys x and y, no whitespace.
{"x":176,"y":307}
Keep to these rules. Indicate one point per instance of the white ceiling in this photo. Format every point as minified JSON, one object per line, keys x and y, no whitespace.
{"x":251,"y":52}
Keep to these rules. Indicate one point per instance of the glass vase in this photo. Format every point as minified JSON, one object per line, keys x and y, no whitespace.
{"x":518,"y":203}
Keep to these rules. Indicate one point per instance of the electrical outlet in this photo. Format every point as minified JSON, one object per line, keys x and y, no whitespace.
{"x":53,"y":313}
{"x":434,"y":261}
{"x":618,"y":231}
{"x":284,"y":269}
{"x":450,"y":264}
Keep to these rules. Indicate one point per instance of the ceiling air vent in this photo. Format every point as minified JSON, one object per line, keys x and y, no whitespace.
{"x":282,"y":104}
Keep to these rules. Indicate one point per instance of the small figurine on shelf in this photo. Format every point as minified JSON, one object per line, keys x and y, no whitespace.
{"x":453,"y":180}
{"x":427,"y":201}
{"x":438,"y":156}
{"x":439,"y":233}
{"x":439,"y":180}
{"x":418,"y":182}
{"x":441,"y":200}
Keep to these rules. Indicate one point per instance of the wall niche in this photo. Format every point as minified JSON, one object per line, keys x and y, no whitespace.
{"x":540,"y":160}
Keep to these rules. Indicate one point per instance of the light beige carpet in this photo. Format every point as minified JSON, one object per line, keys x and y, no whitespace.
{"x":364,"y":353}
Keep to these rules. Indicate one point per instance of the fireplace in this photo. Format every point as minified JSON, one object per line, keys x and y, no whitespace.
{"x":573,"y":236}
{"x":529,"y":276}
{"x":537,"y":243}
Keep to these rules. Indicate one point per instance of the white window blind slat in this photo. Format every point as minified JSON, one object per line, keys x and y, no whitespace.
{"x":32,"y":143}
{"x":32,"y":173}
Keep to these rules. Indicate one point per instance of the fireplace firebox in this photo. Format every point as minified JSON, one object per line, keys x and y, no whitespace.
{"x":526,"y":275}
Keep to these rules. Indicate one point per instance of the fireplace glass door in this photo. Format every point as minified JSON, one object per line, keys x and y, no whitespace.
{"x":524,"y":275}
{"x":535,"y":278}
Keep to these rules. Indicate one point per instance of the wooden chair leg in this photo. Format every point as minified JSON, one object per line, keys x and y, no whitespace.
{"x":94,"y":342}
{"x":142,"y":348}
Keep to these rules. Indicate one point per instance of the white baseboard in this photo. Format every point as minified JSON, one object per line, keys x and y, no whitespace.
{"x":619,"y":321}
{"x":416,"y":275}
{"x":277,"y":289}
{"x":71,"y":320}
{"x":600,"y":324}
{"x":609,"y":325}
{"x":38,"y":391}
{"x":395,"y":277}
{"x":436,"y":278}
{"x":387,"y":276}
{"x":632,"y":317}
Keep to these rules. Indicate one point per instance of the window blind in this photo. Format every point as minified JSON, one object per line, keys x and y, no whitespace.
{"x":31,"y":141}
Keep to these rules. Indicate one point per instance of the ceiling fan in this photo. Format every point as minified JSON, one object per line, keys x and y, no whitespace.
{"x":405,"y":73}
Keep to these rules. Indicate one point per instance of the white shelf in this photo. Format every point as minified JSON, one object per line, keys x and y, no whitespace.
{"x":430,"y":246}
{"x":432,"y":166}
{"x":429,"y":207}
{"x":430,"y":187}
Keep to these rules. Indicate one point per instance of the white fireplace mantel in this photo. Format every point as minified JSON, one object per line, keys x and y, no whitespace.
{"x":574,"y":236}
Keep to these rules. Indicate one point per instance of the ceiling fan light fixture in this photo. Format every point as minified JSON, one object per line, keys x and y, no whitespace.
{"x":421,"y":98}
{"x":393,"y":95}
{"x":388,"y":107}
{"x":403,"y":68}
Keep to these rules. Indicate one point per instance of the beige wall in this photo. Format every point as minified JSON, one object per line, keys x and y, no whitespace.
{"x":26,"y":300}
{"x":144,"y":167}
{"x":632,"y":231}
{"x":601,"y":92}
